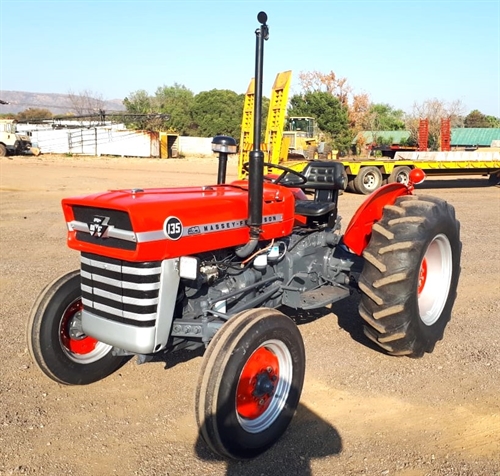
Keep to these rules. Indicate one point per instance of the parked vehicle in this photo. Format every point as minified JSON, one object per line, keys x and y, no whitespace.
{"x":11,"y":142}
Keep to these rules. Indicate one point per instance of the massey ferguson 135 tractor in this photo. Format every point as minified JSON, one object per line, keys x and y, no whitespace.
{"x":165,"y":269}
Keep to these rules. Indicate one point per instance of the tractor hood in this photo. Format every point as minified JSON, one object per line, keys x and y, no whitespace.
{"x":156,"y":224}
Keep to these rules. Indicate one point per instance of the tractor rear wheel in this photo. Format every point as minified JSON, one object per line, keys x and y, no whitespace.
{"x":56,"y":341}
{"x":410,"y":276}
{"x":3,"y":151}
{"x":250,"y":383}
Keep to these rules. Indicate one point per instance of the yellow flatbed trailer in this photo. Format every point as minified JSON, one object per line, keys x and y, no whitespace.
{"x":366,"y":175}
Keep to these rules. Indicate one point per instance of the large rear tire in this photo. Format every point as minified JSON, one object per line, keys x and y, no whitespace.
{"x":410,"y":276}
{"x":56,"y":342}
{"x":250,"y":383}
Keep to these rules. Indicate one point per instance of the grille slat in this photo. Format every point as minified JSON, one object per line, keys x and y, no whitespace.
{"x":132,"y":293}
{"x":111,"y":293}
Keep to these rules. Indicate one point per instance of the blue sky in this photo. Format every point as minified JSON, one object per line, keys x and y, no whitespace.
{"x":398,"y":52}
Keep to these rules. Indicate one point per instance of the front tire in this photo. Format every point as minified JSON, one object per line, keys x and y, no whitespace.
{"x":250,"y":383}
{"x":410,"y":276}
{"x":56,"y":342}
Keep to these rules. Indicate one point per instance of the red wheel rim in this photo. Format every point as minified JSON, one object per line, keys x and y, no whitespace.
{"x":257,"y":383}
{"x":81,"y":346}
{"x":422,"y":276}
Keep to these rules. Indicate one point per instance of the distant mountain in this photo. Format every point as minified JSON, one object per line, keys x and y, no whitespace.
{"x":55,"y":103}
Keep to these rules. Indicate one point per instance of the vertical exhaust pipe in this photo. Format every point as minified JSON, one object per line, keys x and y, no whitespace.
{"x":256,"y":156}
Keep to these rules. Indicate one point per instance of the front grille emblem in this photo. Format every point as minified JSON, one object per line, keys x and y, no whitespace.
{"x":99,"y":226}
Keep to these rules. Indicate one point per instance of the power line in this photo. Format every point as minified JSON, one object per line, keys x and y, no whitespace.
{"x":16,"y":103}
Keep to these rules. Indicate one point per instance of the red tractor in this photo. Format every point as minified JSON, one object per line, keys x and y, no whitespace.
{"x":174,"y":268}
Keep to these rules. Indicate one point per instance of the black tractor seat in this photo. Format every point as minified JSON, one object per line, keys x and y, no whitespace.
{"x":325,"y":179}
{"x":310,"y":208}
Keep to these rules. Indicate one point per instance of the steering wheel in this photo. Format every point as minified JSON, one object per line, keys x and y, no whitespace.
{"x":280,"y":180}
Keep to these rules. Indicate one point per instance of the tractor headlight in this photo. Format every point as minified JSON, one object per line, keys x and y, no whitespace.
{"x":188,"y":267}
{"x":224,"y":144}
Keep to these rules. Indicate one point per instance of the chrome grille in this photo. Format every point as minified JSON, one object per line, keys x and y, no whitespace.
{"x":119,"y":290}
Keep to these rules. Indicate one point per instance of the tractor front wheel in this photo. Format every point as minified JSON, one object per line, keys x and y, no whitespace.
{"x":250,"y":383}
{"x":410,"y":276}
{"x":56,"y":341}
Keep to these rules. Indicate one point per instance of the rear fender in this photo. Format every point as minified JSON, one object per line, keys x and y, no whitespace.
{"x":359,"y":230}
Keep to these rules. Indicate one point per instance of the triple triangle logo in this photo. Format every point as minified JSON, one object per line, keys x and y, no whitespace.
{"x":98,"y":226}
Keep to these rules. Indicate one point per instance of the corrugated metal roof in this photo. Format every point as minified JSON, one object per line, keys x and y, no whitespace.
{"x":395,"y":136}
{"x":474,"y":136}
{"x":460,"y":136}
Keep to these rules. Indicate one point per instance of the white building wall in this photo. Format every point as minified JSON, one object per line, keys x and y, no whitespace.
{"x":97,"y":141}
{"x":130,"y":144}
{"x":198,"y":146}
{"x":109,"y":140}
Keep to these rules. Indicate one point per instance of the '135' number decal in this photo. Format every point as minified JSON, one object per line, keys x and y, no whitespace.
{"x":173,"y":228}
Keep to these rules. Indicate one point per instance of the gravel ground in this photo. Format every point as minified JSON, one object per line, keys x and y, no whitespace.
{"x":361,"y":412}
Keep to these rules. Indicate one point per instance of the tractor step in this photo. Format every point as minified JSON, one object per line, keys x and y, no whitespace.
{"x":322,"y":296}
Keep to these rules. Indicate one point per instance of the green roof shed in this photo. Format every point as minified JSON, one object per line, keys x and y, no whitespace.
{"x":474,"y":136}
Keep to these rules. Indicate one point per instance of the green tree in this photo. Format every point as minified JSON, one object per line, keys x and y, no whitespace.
{"x":493,"y":121}
{"x":139,"y":102}
{"x":476,"y":119}
{"x":216,"y":112}
{"x":331,"y":116}
{"x":357,"y":105}
{"x":177,"y":101}
{"x":383,"y":117}
{"x":34,"y":114}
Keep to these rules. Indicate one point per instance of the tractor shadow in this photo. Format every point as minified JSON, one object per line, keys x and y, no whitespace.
{"x":172,"y":358}
{"x":348,"y":319}
{"x":307,"y":438}
{"x":345,"y":310}
{"x":458,"y":182}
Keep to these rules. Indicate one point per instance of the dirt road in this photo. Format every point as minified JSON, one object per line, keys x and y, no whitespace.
{"x":361,"y":413}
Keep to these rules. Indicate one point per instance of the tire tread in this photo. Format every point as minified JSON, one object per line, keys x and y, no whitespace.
{"x":389,"y":278}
